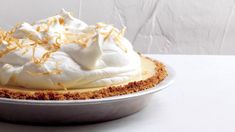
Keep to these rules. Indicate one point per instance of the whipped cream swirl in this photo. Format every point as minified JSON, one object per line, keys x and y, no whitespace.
{"x":64,"y":52}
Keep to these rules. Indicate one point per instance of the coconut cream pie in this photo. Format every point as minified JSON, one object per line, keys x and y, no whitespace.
{"x":62,"y":58}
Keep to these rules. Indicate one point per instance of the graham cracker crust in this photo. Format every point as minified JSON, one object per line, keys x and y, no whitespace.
{"x":160,"y":74}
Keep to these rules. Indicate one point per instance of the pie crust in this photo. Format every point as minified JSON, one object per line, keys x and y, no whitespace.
{"x":156,"y":72}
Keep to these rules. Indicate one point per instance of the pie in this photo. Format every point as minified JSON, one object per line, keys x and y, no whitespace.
{"x":63,"y":58}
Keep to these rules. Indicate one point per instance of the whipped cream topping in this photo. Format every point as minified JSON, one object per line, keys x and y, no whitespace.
{"x":64,"y":52}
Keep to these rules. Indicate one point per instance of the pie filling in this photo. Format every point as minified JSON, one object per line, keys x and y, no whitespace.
{"x":153,"y":73}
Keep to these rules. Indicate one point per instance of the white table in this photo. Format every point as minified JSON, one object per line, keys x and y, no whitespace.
{"x":202,"y":99}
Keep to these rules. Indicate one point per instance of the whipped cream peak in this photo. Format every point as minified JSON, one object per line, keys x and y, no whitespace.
{"x":63,"y":52}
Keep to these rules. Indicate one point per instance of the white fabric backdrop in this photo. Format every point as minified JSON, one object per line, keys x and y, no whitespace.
{"x":154,"y":26}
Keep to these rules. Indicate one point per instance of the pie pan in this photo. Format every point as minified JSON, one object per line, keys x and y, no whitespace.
{"x":49,"y":112}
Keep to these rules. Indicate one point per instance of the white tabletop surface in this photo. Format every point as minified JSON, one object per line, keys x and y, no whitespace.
{"x":202,"y":99}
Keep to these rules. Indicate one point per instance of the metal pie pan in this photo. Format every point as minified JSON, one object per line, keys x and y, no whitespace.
{"x":54,"y":112}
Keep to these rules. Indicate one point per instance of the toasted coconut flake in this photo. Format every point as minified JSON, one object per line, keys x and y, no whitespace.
{"x":94,"y":39}
{"x":109,"y":34}
{"x":56,"y":71}
{"x":7,"y":50}
{"x":61,"y":21}
{"x":100,"y":25}
{"x":38,"y":28}
{"x":118,"y":42}
{"x":26,"y":49}
{"x":62,"y":85}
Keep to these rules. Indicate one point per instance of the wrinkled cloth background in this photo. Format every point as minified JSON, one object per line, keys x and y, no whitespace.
{"x":154,"y":26}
